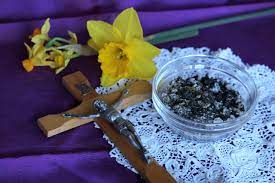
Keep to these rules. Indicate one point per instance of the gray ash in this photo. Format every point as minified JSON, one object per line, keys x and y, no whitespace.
{"x":204,"y":99}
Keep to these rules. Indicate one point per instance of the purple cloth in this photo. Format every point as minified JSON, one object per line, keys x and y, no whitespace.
{"x":81,"y":155}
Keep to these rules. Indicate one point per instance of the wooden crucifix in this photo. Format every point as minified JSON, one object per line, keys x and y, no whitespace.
{"x":78,"y":85}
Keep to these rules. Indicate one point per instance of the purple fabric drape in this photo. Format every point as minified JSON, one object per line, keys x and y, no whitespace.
{"x":81,"y":155}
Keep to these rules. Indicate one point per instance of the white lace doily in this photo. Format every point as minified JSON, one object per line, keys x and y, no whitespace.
{"x":246,"y":156}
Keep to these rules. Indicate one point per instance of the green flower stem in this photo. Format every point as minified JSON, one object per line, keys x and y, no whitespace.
{"x":75,"y":55}
{"x":193,"y":30}
{"x":56,"y":44}
{"x":83,"y":50}
{"x":174,"y":36}
{"x":56,"y":40}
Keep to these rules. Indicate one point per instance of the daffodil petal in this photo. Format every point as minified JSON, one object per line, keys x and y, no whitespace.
{"x":107,"y":80}
{"x":102,"y":32}
{"x":37,"y":49}
{"x":73,"y":37}
{"x":127,"y":22}
{"x":29,"y":50}
{"x":40,"y":57}
{"x":46,"y":26}
{"x":141,"y":56}
{"x":68,"y":55}
{"x":92,"y":44}
{"x":38,"y":62}
{"x":40,"y":38}
{"x":57,"y":71}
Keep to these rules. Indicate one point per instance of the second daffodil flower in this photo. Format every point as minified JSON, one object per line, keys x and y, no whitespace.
{"x":55,"y":53}
{"x":122,"y":51}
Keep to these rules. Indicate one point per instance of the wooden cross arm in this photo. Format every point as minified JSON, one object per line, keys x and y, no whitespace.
{"x":79,"y":86}
{"x":54,"y":124}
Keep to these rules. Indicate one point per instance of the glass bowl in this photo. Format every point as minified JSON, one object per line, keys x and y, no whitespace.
{"x":188,"y":66}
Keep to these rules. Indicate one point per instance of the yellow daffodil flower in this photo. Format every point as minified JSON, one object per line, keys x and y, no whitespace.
{"x":52,"y":57}
{"x":41,"y":54}
{"x":122,"y":51}
{"x":37,"y":55}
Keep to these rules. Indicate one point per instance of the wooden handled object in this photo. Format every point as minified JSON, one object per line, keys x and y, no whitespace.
{"x":78,"y":85}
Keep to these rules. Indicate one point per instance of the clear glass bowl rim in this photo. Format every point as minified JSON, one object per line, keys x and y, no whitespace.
{"x":228,"y":122}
